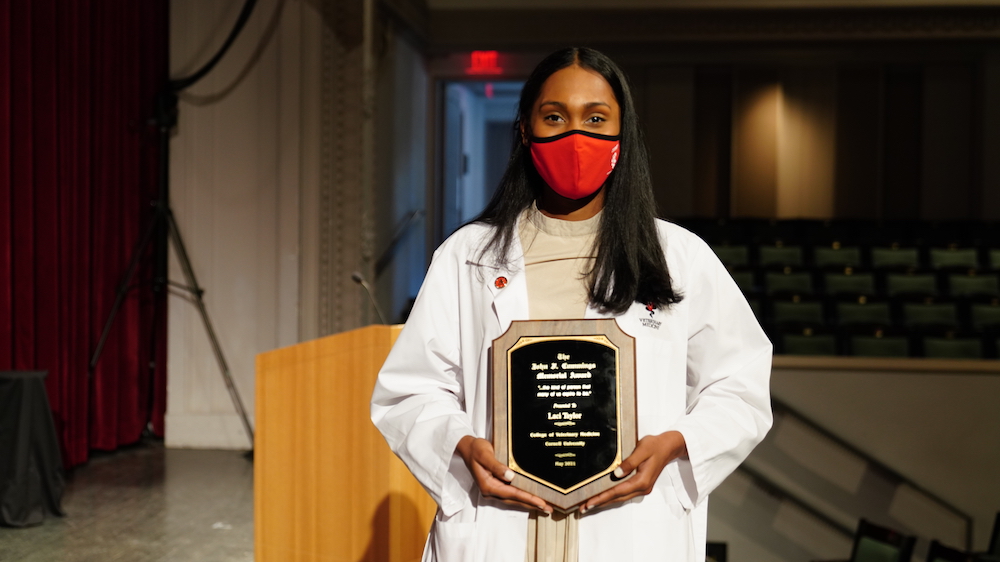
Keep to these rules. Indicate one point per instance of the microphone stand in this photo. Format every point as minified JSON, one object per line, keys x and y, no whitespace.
{"x":360,"y":280}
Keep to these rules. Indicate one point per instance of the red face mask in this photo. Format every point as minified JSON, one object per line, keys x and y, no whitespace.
{"x":575,"y":164}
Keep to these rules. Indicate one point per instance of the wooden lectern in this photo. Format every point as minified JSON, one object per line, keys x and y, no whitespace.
{"x":326,"y":486}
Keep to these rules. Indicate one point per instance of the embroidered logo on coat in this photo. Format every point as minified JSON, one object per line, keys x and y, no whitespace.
{"x":649,"y":322}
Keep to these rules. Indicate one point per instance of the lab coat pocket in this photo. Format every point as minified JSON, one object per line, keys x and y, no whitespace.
{"x":452,"y":538}
{"x":656,"y":405}
{"x":668,"y":495}
{"x":663,"y":526}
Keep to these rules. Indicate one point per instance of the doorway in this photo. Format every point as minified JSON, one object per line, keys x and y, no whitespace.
{"x":477,"y":132}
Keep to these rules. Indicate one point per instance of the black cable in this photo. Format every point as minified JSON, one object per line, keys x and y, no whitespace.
{"x":175,"y":86}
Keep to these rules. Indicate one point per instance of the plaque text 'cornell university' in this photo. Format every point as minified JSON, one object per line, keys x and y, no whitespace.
{"x":564,"y":406}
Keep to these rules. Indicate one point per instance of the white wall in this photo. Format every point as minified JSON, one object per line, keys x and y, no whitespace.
{"x":236,"y":186}
{"x":279,"y":193}
{"x":939,"y":428}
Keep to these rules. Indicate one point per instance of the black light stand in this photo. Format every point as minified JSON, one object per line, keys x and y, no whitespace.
{"x":162,"y":230}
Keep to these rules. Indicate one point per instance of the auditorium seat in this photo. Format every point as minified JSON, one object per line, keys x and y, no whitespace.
{"x":836,"y":256}
{"x":788,"y":282}
{"x":849,"y":282}
{"x":991,"y":343}
{"x":920,"y":284}
{"x":973,"y":284}
{"x":862,"y":311}
{"x":950,"y":346}
{"x":994,"y":257}
{"x":929,"y":313}
{"x":779,"y":255}
{"x":985,"y":314}
{"x":797,"y":311}
{"x":874,"y":543}
{"x":895,"y":257}
{"x":954,"y":258}
{"x":809,"y":341}
{"x":746,"y":281}
{"x":877,"y":343}
{"x":733,"y":256}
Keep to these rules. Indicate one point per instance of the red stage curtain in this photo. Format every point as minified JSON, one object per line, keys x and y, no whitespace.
{"x":78,"y":169}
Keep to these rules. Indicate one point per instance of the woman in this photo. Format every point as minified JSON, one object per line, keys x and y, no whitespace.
{"x":571,"y":233}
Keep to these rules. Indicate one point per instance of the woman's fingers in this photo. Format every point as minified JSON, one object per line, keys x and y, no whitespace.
{"x":483,"y":453}
{"x":494,"y":487}
{"x":625,"y":468}
{"x":651,"y":455}
{"x":639,"y":485}
{"x":493,"y":477}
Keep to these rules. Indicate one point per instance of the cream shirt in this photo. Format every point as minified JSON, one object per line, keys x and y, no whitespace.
{"x":558,"y":256}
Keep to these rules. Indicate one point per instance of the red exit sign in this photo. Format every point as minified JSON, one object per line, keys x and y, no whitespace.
{"x":484,"y":63}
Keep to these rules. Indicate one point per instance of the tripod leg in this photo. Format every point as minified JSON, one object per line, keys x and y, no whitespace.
{"x":133,"y":264}
{"x":159,"y":308}
{"x":175,"y":236}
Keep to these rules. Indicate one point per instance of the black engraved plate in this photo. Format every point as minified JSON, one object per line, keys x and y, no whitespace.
{"x":564,"y":418}
{"x":563,"y":406}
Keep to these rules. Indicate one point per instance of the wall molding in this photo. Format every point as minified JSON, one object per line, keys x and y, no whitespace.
{"x":346,"y":227}
{"x":482,"y":29}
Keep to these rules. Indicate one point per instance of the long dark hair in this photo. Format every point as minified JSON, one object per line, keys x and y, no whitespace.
{"x":630,"y":266}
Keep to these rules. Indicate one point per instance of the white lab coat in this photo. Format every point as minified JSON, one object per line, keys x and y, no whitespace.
{"x":703,"y":367}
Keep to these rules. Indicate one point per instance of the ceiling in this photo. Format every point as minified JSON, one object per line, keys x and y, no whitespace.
{"x":690,"y":4}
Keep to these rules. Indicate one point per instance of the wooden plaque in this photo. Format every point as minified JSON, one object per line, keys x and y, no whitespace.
{"x":563,"y":406}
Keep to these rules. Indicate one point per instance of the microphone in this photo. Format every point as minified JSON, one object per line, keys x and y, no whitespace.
{"x":360,"y":280}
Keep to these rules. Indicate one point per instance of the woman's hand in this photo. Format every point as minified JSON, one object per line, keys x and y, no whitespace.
{"x":493,"y":477}
{"x":651,"y":454}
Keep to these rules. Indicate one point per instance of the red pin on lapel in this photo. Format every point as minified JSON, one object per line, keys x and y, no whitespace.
{"x":500,"y":283}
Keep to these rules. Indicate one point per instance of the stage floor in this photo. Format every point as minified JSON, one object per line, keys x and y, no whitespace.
{"x":146,"y":503}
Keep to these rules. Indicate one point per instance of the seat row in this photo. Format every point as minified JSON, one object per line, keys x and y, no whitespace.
{"x":878,"y":342}
{"x":915,"y":314}
{"x":869,"y":288}
{"x":835,"y":255}
{"x":853,"y":282}
{"x":875,"y":543}
{"x":848,"y":232}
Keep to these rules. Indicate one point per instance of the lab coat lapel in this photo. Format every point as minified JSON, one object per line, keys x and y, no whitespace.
{"x":509,"y":287}
{"x":510,"y":295}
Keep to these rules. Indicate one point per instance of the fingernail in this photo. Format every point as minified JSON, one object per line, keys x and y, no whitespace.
{"x":583,"y":509}
{"x":547,"y":511}
{"x":619,"y":472}
{"x":509,"y":475}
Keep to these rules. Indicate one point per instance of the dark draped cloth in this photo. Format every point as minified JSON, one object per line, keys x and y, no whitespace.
{"x":78,"y":169}
{"x":31,"y":470}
